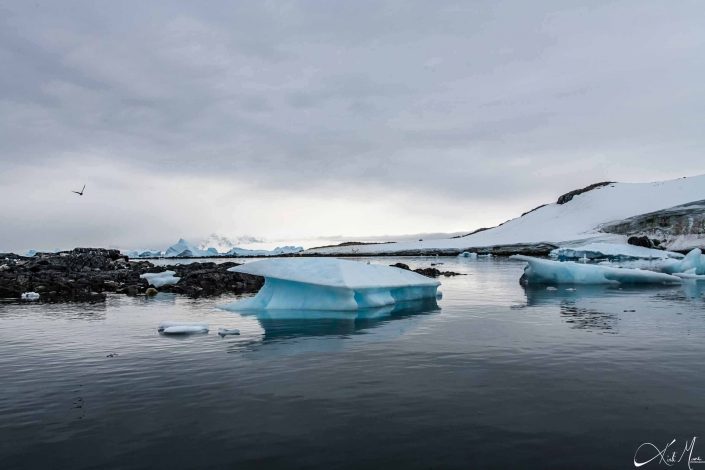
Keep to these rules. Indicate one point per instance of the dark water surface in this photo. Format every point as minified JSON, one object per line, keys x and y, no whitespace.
{"x":495,"y":377}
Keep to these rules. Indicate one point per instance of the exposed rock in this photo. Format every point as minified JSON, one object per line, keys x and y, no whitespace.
{"x":640,"y":241}
{"x":204,"y":279}
{"x":88,"y":274}
{"x":570,"y":195}
{"x":428,"y":272}
{"x":679,"y":228}
{"x":151,"y":291}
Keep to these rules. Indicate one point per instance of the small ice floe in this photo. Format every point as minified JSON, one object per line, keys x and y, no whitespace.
{"x":164,"y":278}
{"x":31,"y":296}
{"x":467,"y":254}
{"x":179,"y":328}
{"x":331,"y":284}
{"x":222,"y":332}
{"x":551,"y":288}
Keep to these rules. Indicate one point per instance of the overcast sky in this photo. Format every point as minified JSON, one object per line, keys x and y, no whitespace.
{"x":293,"y":119}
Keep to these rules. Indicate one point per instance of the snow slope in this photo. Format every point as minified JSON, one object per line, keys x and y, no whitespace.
{"x":557,"y":224}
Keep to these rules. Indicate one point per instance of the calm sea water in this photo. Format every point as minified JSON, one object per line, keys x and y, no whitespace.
{"x":495,"y":376}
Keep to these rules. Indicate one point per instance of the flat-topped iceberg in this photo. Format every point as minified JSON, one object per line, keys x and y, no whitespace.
{"x":542,"y":271}
{"x":331,"y":284}
{"x":620,"y":251}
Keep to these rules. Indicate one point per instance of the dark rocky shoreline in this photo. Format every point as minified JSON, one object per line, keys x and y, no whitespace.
{"x":89,"y":274}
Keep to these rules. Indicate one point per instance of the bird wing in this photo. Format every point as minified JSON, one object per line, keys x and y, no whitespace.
{"x":84,"y":187}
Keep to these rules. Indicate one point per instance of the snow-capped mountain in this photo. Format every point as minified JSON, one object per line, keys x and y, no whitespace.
{"x":223,"y":244}
{"x":183,"y":248}
{"x":605,"y":212}
{"x":186,"y":249}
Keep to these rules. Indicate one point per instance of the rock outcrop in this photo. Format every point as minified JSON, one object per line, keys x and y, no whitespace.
{"x":428,"y":272}
{"x":88,"y":274}
{"x":679,"y":228}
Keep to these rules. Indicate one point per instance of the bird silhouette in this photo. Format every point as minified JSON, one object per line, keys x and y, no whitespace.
{"x":81,"y":192}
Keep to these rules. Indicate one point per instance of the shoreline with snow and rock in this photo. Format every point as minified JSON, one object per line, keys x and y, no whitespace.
{"x":670,"y":214}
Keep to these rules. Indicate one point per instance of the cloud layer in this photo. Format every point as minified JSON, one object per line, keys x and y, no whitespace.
{"x":307,"y":118}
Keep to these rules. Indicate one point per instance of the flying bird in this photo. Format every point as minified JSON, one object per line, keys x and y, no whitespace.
{"x":81,"y":192}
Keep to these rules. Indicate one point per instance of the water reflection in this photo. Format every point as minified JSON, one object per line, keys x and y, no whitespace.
{"x":287,"y":324}
{"x":588,"y":319}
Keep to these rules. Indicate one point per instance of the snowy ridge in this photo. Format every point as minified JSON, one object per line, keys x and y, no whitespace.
{"x":579,"y":219}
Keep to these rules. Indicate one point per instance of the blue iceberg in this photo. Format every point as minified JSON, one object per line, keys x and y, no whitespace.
{"x":542,"y":271}
{"x":331,"y":284}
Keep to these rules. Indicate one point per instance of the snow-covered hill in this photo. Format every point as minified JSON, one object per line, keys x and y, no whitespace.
{"x":580,"y":219}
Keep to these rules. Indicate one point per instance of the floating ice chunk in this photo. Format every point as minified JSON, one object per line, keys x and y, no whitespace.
{"x":467,"y":254}
{"x":693,"y":263}
{"x":165,"y":278}
{"x":184,"y":330}
{"x":611,"y":250}
{"x":228,"y":331}
{"x":180,"y":328}
{"x":331,"y":284}
{"x":541,"y":271}
{"x":30,"y":296}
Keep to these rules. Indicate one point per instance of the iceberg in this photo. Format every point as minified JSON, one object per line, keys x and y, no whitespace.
{"x":467,"y":254}
{"x":330,"y":284}
{"x":181,"y":328}
{"x":30,"y":296}
{"x":164,"y":278}
{"x":542,"y":271}
{"x":280,"y":250}
{"x":618,"y":251}
{"x":184,"y":249}
{"x":693,"y":263}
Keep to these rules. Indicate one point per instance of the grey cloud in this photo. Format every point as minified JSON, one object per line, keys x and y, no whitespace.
{"x":502,"y":102}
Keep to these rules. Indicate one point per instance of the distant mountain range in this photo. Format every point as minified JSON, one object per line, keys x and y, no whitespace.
{"x":185,"y":249}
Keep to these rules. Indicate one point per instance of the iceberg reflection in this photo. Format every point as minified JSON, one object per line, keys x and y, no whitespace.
{"x":283,"y":324}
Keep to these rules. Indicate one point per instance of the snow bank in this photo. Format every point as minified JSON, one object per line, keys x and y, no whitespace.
{"x":541,"y":271}
{"x":579,"y":219}
{"x":165,"y":278}
{"x":30,"y":296}
{"x":612,"y":251}
{"x":331,"y":284}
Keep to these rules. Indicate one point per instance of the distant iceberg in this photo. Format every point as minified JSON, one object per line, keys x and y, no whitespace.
{"x":621,"y":251}
{"x":184,"y":249}
{"x":280,"y":250}
{"x":331,"y":284}
{"x":164,"y":278}
{"x":542,"y":271}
